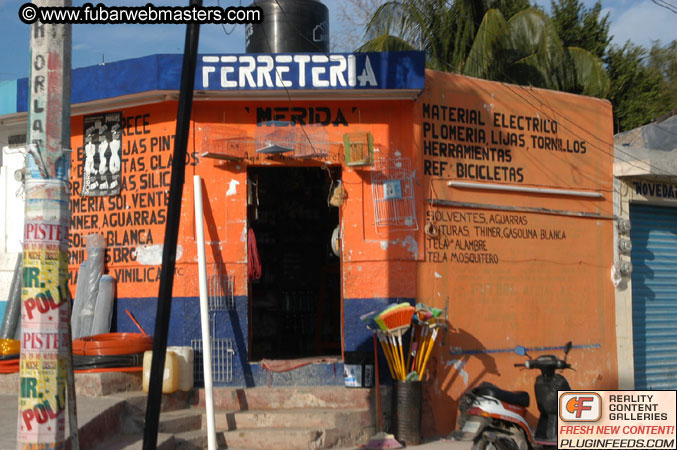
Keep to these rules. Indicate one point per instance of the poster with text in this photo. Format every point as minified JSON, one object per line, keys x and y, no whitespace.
{"x":102,"y":174}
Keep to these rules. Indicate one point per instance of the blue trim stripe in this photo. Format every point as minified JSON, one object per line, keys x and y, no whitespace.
{"x":392,"y":70}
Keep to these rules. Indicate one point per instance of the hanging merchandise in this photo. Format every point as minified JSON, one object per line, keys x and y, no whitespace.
{"x":254,"y":262}
{"x":335,"y":245}
{"x":392,"y":187}
{"x":11,"y":324}
{"x":253,"y":196}
{"x":358,"y":148}
{"x":103,"y":309}
{"x":96,"y":248}
{"x":338,"y":195}
{"x":431,"y":230}
{"x":80,"y":297}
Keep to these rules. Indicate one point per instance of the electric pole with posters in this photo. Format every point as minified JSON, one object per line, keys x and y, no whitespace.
{"x":44,"y":297}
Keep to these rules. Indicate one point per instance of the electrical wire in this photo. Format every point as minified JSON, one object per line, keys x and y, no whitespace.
{"x":524,"y":88}
{"x":666,"y":5}
{"x":470,"y":55}
{"x":112,"y":344}
{"x":227,"y":33}
{"x":9,"y":365}
{"x":84,"y":362}
{"x":279,"y":76}
{"x":528,"y":91}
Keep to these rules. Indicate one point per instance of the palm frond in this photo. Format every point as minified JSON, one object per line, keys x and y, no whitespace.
{"x":385,"y":43}
{"x":487,"y":45}
{"x":590,"y":74}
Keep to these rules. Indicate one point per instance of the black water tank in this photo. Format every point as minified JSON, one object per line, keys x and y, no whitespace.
{"x":289,"y":26}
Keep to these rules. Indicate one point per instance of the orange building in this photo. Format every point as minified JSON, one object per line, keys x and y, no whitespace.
{"x":488,"y":200}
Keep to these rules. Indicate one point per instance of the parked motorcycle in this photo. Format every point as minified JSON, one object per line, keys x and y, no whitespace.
{"x":495,"y":419}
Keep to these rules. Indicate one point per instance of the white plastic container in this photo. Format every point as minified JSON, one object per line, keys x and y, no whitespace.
{"x":170,"y":378}
{"x":186,"y":358}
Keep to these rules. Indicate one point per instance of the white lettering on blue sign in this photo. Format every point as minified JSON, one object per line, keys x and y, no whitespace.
{"x":297,"y":71}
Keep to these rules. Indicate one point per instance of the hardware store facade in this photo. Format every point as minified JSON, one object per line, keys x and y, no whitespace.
{"x":488,"y":200}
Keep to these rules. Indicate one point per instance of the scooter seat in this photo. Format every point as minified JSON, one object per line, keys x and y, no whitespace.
{"x":519,"y":398}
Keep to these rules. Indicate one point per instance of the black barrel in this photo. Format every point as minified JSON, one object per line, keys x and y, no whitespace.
{"x":406,"y":415}
{"x":289,"y":26}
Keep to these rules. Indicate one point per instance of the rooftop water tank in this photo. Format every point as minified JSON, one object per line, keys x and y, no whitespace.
{"x":289,"y":26}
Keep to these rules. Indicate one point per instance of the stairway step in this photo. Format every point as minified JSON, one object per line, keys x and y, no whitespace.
{"x":165,"y":441}
{"x":292,"y":418}
{"x":196,"y":439}
{"x":234,"y":399}
{"x":296,"y":438}
{"x":181,"y":420}
{"x":276,"y":438}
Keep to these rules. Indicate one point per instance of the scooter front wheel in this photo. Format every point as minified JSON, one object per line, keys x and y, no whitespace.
{"x":490,"y":440}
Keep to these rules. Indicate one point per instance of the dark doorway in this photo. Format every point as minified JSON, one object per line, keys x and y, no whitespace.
{"x":295,"y":308}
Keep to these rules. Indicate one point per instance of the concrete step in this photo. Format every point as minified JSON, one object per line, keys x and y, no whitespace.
{"x":265,"y":398}
{"x":86,"y":384}
{"x":196,"y":439}
{"x":181,"y":420}
{"x":295,"y":438}
{"x":293,"y":418}
{"x":165,"y":441}
{"x":137,"y":400}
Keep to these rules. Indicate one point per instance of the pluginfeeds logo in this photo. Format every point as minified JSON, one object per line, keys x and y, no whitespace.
{"x":580,"y":407}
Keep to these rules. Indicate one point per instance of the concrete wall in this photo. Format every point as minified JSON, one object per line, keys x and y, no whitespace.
{"x":11,"y":208}
{"x":526,"y":267}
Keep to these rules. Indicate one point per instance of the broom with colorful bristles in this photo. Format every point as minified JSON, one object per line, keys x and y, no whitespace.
{"x":436,"y":324}
{"x":368,"y":320}
{"x":390,"y":339}
{"x":397,"y":321}
{"x":419,"y":319}
{"x":380,"y":439}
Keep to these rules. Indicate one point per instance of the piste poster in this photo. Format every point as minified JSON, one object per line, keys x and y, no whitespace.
{"x":102,"y":169}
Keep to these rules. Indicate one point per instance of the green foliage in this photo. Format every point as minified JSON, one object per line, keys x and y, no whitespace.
{"x":386,"y":43}
{"x":473,"y":37}
{"x":664,"y":61}
{"x":643,"y":83}
{"x":527,"y":50}
{"x":444,"y":29}
{"x":581,"y":27}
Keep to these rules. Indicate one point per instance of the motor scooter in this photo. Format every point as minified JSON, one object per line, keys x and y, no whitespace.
{"x":496,"y":419}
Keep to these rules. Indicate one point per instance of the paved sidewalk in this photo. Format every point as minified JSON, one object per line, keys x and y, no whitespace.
{"x":90,"y":408}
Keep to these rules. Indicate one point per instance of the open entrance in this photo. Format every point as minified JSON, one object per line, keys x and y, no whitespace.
{"x":295,"y":307}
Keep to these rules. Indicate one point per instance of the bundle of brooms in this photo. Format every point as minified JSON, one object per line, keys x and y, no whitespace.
{"x":388,"y":327}
{"x":392,"y":323}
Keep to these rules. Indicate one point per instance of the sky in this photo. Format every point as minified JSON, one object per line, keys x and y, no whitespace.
{"x":640,"y":21}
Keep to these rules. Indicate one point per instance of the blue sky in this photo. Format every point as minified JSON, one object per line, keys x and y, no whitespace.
{"x":640,"y":21}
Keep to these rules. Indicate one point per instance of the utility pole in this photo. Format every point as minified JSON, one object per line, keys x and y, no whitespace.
{"x":45,"y":300}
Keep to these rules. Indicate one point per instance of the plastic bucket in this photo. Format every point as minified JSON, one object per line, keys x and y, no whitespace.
{"x":185,"y":357}
{"x":170,"y":376}
{"x":406,"y":414}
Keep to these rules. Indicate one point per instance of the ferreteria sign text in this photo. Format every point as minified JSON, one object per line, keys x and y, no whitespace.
{"x":298,"y":71}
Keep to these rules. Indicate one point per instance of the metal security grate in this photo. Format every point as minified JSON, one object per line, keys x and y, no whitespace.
{"x":392,"y":188}
{"x":222,"y":360}
{"x":220,"y":290}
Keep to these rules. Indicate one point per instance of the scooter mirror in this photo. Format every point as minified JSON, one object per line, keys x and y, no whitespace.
{"x":567,"y":348}
{"x":520,"y":350}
